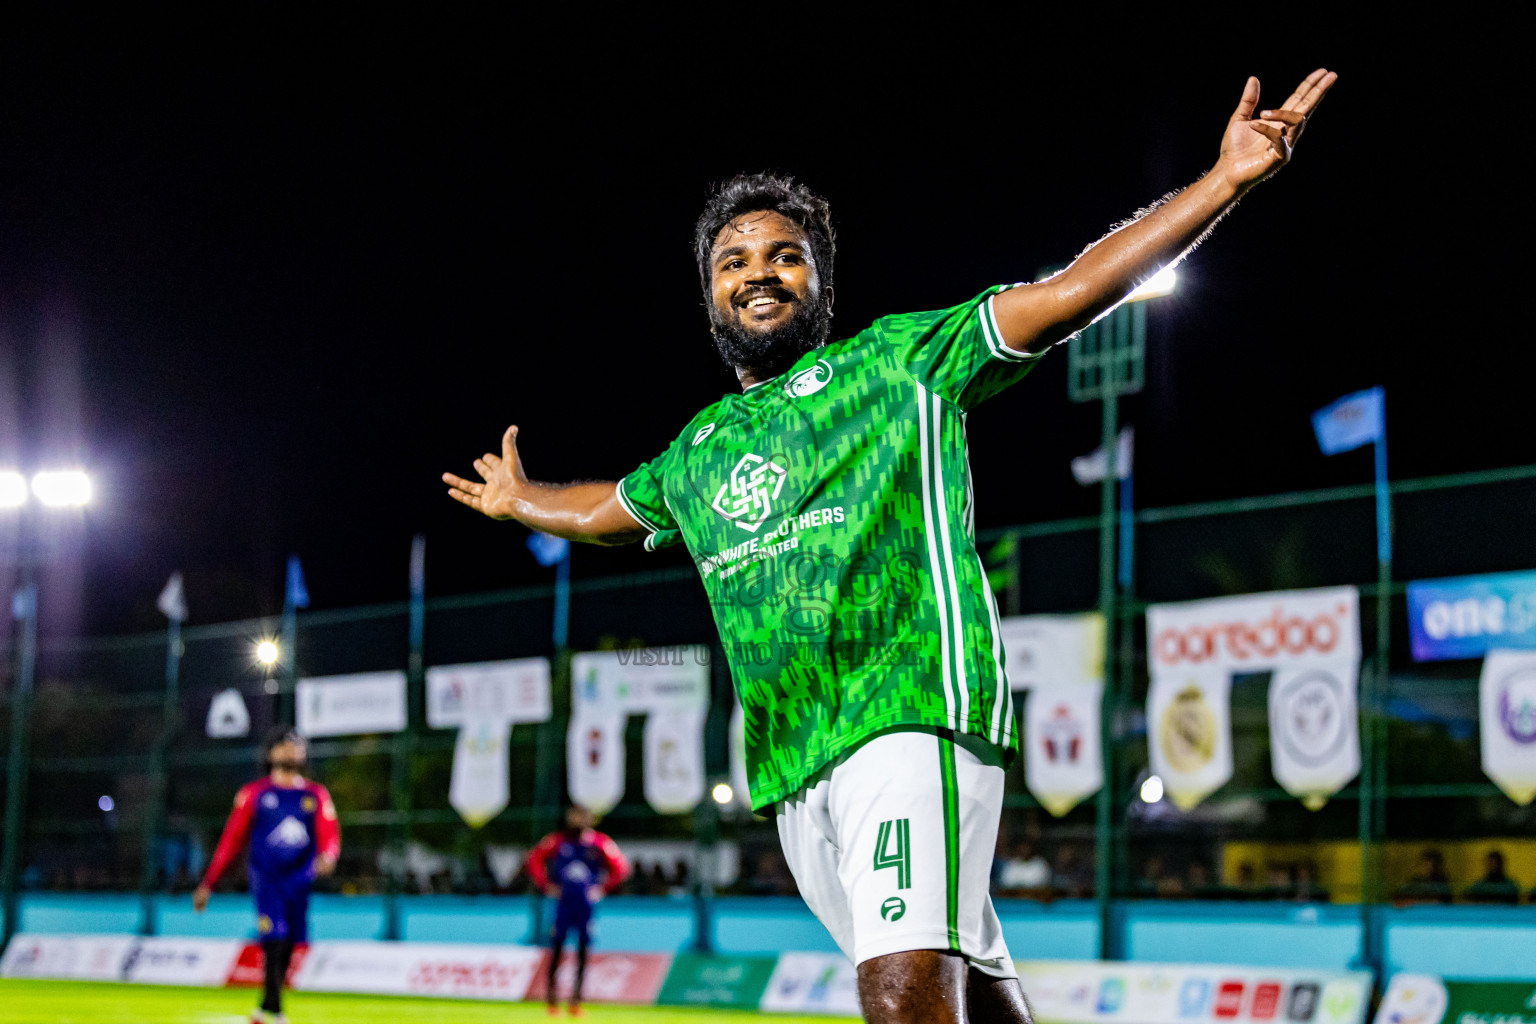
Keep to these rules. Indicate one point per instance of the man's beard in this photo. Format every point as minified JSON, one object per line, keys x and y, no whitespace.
{"x":771,"y":352}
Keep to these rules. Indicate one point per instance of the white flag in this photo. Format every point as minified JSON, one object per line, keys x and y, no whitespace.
{"x":1091,"y":468}
{"x":740,"y":785}
{"x":227,"y":716}
{"x":594,"y":759}
{"x":172,"y":601}
{"x":1189,"y":726}
{"x":1507,"y":695}
{"x":674,"y":760}
{"x":478,"y":788}
{"x":1062,"y":761}
{"x":1314,"y":729}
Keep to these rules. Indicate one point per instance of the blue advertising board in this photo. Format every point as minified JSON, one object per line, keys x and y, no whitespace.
{"x":1468,"y":616}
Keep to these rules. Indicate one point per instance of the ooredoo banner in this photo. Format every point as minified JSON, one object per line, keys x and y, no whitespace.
{"x":1088,"y":992}
{"x":420,"y":969}
{"x":1308,"y":639}
{"x":633,"y":978}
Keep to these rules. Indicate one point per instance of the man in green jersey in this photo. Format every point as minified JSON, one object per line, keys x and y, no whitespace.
{"x":828,"y":508}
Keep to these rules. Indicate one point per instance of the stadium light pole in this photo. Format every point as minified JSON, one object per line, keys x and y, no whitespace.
{"x":53,"y":490}
{"x":1107,"y":361}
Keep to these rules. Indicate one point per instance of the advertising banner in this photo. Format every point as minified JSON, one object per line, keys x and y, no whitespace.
{"x":633,"y":978}
{"x":66,"y":957}
{"x":1314,"y":729}
{"x":1468,"y":616}
{"x":594,"y":759}
{"x":510,"y":691}
{"x":1507,"y":700}
{"x":1053,"y":650}
{"x":478,"y":788}
{"x":228,"y":717}
{"x":365,"y":702}
{"x":1086,"y":992}
{"x":1425,"y":999}
{"x":420,"y":969}
{"x":674,"y":760}
{"x":1059,"y":661}
{"x":641,"y":681}
{"x":697,"y":980}
{"x":812,"y":983}
{"x":250,"y":968}
{"x":166,"y":960}
{"x":1195,"y":649}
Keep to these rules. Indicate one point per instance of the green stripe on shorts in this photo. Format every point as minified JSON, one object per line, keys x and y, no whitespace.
{"x":951,"y":835}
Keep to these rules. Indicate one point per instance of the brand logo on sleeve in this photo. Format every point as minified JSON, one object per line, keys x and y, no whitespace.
{"x":704,"y":431}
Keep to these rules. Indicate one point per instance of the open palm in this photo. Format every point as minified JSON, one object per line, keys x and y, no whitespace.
{"x":503,"y":476}
{"x":1253,"y":148}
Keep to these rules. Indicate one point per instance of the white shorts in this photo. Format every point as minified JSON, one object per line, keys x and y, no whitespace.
{"x":892,"y":847}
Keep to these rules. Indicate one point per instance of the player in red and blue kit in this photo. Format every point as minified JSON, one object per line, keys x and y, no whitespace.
{"x":576,"y":866}
{"x":290,"y":825}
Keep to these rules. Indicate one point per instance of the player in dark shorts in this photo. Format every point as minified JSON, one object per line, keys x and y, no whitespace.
{"x":829,"y":509}
{"x":576,"y":866}
{"x":290,"y":825}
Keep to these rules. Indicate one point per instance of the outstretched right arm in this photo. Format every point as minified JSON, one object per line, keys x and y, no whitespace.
{"x":588,"y":512}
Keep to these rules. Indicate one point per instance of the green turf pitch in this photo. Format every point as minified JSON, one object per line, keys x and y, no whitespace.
{"x":73,"y":1002}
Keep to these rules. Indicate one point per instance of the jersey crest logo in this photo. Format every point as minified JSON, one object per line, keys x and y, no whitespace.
{"x":704,"y":431}
{"x":809,"y":380}
{"x":747,"y":498}
{"x":290,"y":833}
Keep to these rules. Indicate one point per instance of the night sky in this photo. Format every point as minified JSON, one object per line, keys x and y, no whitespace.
{"x":268,"y":280}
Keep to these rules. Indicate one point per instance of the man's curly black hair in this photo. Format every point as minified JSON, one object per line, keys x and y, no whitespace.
{"x":747,"y":193}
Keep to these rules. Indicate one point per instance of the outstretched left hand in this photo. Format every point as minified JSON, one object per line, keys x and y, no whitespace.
{"x":1254,"y":148}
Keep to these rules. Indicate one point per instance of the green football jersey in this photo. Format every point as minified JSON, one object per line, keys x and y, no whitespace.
{"x":829,"y":513}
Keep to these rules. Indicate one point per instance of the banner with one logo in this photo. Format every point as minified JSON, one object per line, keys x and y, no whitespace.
{"x":485,"y":699}
{"x":669,"y":685}
{"x":228,"y":717}
{"x":364,"y":702}
{"x":1059,"y":661}
{"x":1507,"y":699}
{"x":1308,"y":639}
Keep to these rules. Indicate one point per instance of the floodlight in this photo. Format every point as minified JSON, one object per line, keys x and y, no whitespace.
{"x":723,"y":793}
{"x":1152,"y":790}
{"x":266,"y":652}
{"x":1155,"y":287}
{"x":67,"y":488}
{"x":13,"y":489}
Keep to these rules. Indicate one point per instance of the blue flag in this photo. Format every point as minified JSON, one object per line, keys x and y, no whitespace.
{"x":1350,"y":422}
{"x":297,"y":594}
{"x":548,"y":550}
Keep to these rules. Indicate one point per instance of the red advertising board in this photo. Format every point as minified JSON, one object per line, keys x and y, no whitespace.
{"x":250,"y":969}
{"x":633,"y":978}
{"x":1229,"y":1000}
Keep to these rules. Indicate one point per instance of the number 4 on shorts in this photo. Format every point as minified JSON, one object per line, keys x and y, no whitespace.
{"x":898,"y":831}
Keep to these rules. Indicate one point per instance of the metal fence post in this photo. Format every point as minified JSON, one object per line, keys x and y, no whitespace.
{"x":24,"y":610}
{"x":154,"y":822}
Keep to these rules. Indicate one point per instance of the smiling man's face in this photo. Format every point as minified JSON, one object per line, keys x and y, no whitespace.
{"x":768,"y":305}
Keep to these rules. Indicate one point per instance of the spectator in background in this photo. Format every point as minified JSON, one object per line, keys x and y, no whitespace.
{"x":1429,"y":884}
{"x":1023,"y":874}
{"x":1247,"y":887}
{"x":1073,"y":875}
{"x":1198,"y":884}
{"x":1495,"y":886}
{"x":1307,"y":889}
{"x":1280,"y":882}
{"x":1157,"y":879}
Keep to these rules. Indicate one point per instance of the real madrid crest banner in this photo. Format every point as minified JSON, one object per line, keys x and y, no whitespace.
{"x":594,"y":759}
{"x":674,"y":760}
{"x":1314,"y":728}
{"x":1189,"y":727}
{"x":1507,"y":696}
{"x":1308,"y":639}
{"x":1059,"y":661}
{"x":478,"y":788}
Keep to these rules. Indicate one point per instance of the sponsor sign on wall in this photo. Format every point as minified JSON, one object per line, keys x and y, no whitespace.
{"x":1059,"y":661}
{"x":1507,"y":723}
{"x":633,"y":978}
{"x":364,"y":702}
{"x":66,"y":957}
{"x":1468,"y":616}
{"x":165,"y":960}
{"x":250,"y":968}
{"x":697,"y":980}
{"x":812,"y":983}
{"x":510,"y":691}
{"x":420,"y":969}
{"x":1309,"y":640}
{"x":1425,"y":999}
{"x":1082,"y":992}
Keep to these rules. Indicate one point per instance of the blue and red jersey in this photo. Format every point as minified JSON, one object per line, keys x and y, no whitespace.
{"x":577,"y":863}
{"x":286,"y":827}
